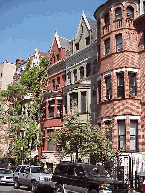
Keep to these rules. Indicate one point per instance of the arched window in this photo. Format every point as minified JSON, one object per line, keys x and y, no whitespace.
{"x":107,"y":18}
{"x":130,"y":12}
{"x":118,"y":13}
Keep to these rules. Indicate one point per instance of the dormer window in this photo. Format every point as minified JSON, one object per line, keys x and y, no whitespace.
{"x":88,"y":40}
{"x":118,"y":13}
{"x":82,"y":28}
{"x":130,"y":12}
{"x":107,"y":18}
{"x":77,"y":46}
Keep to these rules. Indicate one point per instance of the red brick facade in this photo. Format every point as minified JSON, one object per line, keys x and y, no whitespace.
{"x":125,"y":58}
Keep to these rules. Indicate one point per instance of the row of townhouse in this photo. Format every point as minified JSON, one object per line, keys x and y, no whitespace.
{"x":101,"y":74}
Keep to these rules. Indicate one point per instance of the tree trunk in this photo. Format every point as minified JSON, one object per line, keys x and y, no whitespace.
{"x":76,"y":154}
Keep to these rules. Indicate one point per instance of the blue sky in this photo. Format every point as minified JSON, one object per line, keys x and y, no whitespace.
{"x":29,"y":24}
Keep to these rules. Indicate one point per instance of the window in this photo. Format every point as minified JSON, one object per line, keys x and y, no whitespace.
{"x":75,"y":75}
{"x":50,"y":143}
{"x":74,"y":101}
{"x":107,"y":19}
{"x":130,"y":12}
{"x":81,"y":72}
{"x":107,"y":46}
{"x":120,"y":85}
{"x":118,"y":13}
{"x":51,"y":108}
{"x":88,"y":69}
{"x":77,"y":46}
{"x":99,"y":90}
{"x":57,"y":57}
{"x":58,"y":83}
{"x":88,"y":40}
{"x":69,"y":77}
{"x":50,"y":146}
{"x":122,"y":135}
{"x":59,"y":109}
{"x":83,"y":102}
{"x":132,"y":84}
{"x":108,"y":87}
{"x":133,"y":135}
{"x":99,"y":52}
{"x":82,"y":28}
{"x":109,"y":132}
{"x":53,"y":83}
{"x":119,"y":45}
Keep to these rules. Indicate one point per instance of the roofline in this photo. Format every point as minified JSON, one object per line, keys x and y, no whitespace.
{"x":143,"y":15}
{"x":100,"y":7}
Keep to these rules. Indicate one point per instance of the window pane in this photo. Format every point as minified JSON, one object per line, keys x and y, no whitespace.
{"x":83,"y":101}
{"x":119,"y":42}
{"x":88,"y":70}
{"x":108,"y":87}
{"x":121,"y":79}
{"x":50,"y":146}
{"x":122,"y":142}
{"x":132,"y":79}
{"x":107,"y":46}
{"x":74,"y":101}
{"x":130,"y":11}
{"x":132,"y":84}
{"x":82,"y":72}
{"x":118,"y":13}
{"x":132,"y":143}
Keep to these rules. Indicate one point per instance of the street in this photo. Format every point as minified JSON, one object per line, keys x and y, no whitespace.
{"x":22,"y":189}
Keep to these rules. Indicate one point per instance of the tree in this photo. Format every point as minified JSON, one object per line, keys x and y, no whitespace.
{"x":84,"y":139}
{"x":24,"y":130}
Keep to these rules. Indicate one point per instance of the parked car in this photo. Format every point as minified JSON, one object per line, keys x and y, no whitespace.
{"x":6,"y":176}
{"x":81,"y":178}
{"x":31,"y":176}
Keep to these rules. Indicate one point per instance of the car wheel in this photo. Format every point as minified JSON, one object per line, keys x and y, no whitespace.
{"x":93,"y":191}
{"x":59,"y":189}
{"x":34,"y":187}
{"x":16,"y":185}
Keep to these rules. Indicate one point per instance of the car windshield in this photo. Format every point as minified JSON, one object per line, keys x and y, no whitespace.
{"x":96,"y":171}
{"x":40,"y":170}
{"x":2,"y":171}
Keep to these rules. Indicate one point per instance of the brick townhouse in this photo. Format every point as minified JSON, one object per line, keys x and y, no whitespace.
{"x":121,"y":80}
{"x":53,"y":98}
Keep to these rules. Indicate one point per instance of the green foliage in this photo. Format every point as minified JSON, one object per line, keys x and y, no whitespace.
{"x":84,"y":139}
{"x":24,"y":130}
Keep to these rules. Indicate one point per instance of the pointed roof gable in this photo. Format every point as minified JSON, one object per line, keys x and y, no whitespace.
{"x":61,"y":42}
{"x":91,"y":24}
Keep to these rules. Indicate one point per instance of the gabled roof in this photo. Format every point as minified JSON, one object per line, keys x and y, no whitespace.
{"x":61,"y":42}
{"x":91,"y":24}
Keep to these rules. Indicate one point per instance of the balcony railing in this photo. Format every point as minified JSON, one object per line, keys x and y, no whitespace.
{"x":118,"y":23}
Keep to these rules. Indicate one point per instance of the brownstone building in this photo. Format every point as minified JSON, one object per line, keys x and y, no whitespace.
{"x":121,"y":79}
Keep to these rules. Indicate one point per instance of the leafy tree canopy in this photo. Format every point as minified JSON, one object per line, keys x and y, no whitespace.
{"x":84,"y":139}
{"x":24,"y":129}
